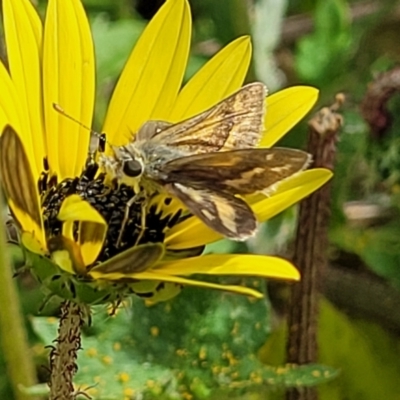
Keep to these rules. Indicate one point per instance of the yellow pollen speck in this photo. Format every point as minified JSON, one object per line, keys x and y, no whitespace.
{"x":235,"y":329}
{"x":203,"y":353}
{"x":230,"y":357}
{"x":316,"y":373}
{"x":117,"y":346}
{"x":195,"y":380}
{"x":181,"y":374}
{"x":281,"y":370}
{"x":225,"y":370}
{"x":181,"y":352}
{"x":150,"y":383}
{"x":154,"y":331}
{"x":216,"y":369}
{"x":107,"y":360}
{"x":256,"y":283}
{"x":51,"y":320}
{"x":255,"y":377}
{"x":167,"y":307}
{"x":257,"y":325}
{"x":92,"y":352}
{"x":129,"y":392}
{"x":252,"y":300}
{"x":123,"y":377}
{"x":187,"y":396}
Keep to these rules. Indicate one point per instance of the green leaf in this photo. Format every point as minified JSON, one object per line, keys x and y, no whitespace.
{"x":200,"y":343}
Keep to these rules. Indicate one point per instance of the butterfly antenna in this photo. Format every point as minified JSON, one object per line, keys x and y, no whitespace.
{"x":62,"y":112}
{"x":101,"y":137}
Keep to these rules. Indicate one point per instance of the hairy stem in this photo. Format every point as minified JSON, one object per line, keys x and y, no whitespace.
{"x":63,"y":356}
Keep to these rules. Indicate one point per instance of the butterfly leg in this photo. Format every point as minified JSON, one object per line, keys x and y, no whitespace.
{"x":142,"y":223}
{"x":126,"y":218}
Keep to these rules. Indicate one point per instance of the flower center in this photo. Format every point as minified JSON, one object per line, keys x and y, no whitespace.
{"x":111,"y":203}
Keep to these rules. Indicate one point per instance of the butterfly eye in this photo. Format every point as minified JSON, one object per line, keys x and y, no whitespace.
{"x":132,"y":168}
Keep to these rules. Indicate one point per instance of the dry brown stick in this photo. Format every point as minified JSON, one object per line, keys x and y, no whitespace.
{"x":374,"y":107}
{"x":63,"y":356}
{"x":310,"y":254}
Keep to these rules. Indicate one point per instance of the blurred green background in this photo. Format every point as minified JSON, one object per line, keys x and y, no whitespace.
{"x":211,"y":345}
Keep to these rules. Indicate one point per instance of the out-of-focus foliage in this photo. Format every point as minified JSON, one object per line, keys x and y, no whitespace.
{"x":324,"y":54}
{"x":364,"y":353}
{"x":202,"y":344}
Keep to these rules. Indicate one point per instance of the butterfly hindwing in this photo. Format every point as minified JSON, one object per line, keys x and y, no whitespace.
{"x":223,"y":212}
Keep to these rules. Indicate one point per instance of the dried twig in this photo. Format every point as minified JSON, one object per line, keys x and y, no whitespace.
{"x":310,"y":254}
{"x":374,"y":106}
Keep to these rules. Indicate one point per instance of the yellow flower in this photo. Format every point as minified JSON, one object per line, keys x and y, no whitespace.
{"x":54,"y":63}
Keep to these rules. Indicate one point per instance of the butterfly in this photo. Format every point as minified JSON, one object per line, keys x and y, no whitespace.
{"x":60,"y":267}
{"x":208,"y":162}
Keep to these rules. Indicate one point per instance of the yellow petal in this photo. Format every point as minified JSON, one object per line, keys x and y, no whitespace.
{"x":74,"y":208}
{"x":152,"y":77}
{"x":156,"y":291}
{"x":165,"y":291}
{"x":12,"y":113}
{"x":31,"y":243}
{"x":284,"y":109}
{"x":217,"y":79}
{"x":68,"y":229}
{"x":149,"y":275}
{"x":23,"y":31}
{"x":28,"y":224}
{"x":192,"y":232}
{"x":91,"y":239}
{"x":233,"y":265}
{"x":92,"y":228}
{"x":68,"y":80}
{"x":289,"y":193}
{"x":66,"y":254}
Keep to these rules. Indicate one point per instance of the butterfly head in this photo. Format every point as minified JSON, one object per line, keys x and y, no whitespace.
{"x":125,"y":166}
{"x":132,"y":168}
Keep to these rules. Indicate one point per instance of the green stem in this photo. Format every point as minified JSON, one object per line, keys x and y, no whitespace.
{"x":14,"y":341}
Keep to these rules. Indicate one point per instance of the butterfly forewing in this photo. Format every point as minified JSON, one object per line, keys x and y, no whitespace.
{"x":234,"y":123}
{"x":16,"y":175}
{"x":238,"y":172}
